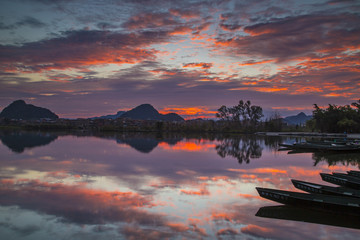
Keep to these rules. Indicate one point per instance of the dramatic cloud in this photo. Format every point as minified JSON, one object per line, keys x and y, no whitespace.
{"x":292,"y":37}
{"x":79,"y":49}
{"x":172,"y":54}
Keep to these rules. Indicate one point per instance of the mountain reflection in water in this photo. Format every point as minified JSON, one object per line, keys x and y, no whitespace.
{"x":151,"y":186}
{"x":17,"y":141}
{"x":241,"y":147}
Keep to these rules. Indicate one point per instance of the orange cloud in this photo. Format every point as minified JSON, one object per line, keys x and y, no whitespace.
{"x":188,"y":146}
{"x":307,"y":89}
{"x":248,"y":196}
{"x":190,"y":112}
{"x":214,"y":79}
{"x":222,"y":216}
{"x":200,"y":192}
{"x":217,"y":178}
{"x":247,"y":176}
{"x":222,"y":43}
{"x":227,"y":231}
{"x":271,"y":89}
{"x":200,"y":64}
{"x":258,"y":31}
{"x":256,"y":230}
{"x":249,"y":82}
{"x":178,"y":227}
{"x":181,"y":31}
{"x":250,"y":63}
{"x":338,"y":94}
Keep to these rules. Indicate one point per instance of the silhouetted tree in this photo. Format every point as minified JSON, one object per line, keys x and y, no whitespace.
{"x":274,"y":122}
{"x":223,"y":113}
{"x":243,"y":114}
{"x":337,"y":118}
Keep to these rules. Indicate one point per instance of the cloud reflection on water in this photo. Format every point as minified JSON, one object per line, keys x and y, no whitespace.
{"x":182,"y":188}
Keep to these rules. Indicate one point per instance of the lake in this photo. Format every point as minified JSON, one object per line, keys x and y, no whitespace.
{"x":58,"y":185}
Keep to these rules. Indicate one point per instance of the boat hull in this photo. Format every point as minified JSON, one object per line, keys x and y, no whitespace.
{"x":354,"y":173}
{"x":323,"y":189}
{"x":313,"y":201}
{"x":341,"y":180}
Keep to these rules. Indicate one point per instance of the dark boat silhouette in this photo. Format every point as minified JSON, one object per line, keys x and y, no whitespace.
{"x":323,"y":189}
{"x":354,"y":173}
{"x":321,"y":202}
{"x":342,"y":180}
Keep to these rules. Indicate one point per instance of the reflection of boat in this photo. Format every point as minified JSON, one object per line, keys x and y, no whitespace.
{"x":306,"y":215}
{"x":318,"y":201}
{"x":323,"y":189}
{"x":329,"y":142}
{"x":322,"y":146}
{"x":345,"y":181}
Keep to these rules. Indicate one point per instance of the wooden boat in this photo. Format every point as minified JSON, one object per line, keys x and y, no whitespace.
{"x":347,"y":176}
{"x":292,"y":213}
{"x":318,"y":201}
{"x":323,"y":189}
{"x":354,"y":173}
{"x":341,"y":180}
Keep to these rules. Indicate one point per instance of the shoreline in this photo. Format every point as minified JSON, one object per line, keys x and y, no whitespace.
{"x":311,"y":134}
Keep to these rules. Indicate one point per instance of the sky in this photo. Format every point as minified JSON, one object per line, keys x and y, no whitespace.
{"x":85,"y":58}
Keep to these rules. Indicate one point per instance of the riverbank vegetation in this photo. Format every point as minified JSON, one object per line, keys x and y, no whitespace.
{"x":337,"y":119}
{"x":241,"y":118}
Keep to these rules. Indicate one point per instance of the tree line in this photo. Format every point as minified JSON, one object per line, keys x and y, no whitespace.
{"x":241,"y":116}
{"x":245,"y":117}
{"x":336,"y":118}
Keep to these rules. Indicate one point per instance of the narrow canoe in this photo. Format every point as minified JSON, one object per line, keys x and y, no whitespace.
{"x":323,"y":189}
{"x":354,"y":173}
{"x":318,"y":201}
{"x":340,"y":180}
{"x":347,"y":176}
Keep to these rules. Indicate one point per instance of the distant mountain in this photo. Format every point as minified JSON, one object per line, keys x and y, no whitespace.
{"x":114,"y":116}
{"x":148,"y":112}
{"x":172,"y":117}
{"x":20,"y":110}
{"x":299,"y":119}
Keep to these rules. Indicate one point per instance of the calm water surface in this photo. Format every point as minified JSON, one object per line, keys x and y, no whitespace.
{"x":136,"y":186}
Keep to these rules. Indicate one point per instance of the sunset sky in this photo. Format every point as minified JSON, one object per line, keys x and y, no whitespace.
{"x":84,"y":58}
